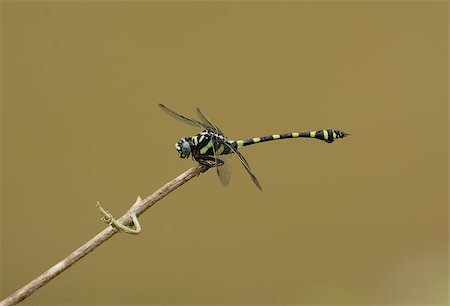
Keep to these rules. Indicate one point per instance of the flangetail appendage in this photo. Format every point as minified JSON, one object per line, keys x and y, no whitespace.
{"x":328,"y":135}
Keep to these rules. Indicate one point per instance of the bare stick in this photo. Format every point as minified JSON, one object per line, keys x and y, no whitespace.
{"x":137,"y":209}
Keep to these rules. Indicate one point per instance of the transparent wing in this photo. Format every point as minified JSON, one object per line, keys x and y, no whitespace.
{"x":208,"y":122}
{"x":222,"y":162}
{"x":246,"y":166}
{"x":224,"y":170}
{"x":183,"y":118}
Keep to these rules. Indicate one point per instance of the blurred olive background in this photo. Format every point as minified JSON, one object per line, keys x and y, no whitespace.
{"x":360,"y":221}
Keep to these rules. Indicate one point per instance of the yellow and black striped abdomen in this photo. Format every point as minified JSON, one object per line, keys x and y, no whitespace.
{"x":325,"y":135}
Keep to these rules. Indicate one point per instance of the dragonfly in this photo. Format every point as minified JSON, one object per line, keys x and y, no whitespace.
{"x":212,"y":149}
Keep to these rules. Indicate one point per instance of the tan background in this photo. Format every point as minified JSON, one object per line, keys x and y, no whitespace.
{"x":361,"y":221}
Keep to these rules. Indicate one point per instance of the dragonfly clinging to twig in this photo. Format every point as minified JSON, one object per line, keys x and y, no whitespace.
{"x":211,"y":148}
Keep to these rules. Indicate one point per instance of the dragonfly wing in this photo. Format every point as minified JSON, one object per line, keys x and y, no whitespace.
{"x":222,"y":162}
{"x":246,"y":166}
{"x":183,"y":118}
{"x":224,"y":170}
{"x":208,"y":122}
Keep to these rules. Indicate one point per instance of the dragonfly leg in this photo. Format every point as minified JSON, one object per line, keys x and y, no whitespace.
{"x":209,"y":161}
{"x":219,"y":163}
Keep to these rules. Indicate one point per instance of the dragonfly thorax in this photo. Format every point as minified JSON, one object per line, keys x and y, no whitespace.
{"x":183,"y":147}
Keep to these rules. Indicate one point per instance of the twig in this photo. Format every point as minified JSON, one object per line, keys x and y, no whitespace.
{"x":136,"y":210}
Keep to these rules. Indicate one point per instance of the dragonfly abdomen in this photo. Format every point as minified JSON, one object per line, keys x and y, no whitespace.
{"x":325,"y":135}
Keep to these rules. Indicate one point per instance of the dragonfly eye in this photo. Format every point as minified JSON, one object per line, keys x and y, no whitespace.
{"x":183,"y":147}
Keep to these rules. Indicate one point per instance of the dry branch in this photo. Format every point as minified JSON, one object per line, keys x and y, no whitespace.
{"x":137,"y":209}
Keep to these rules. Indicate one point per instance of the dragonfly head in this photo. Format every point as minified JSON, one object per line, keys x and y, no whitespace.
{"x":183,"y":147}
